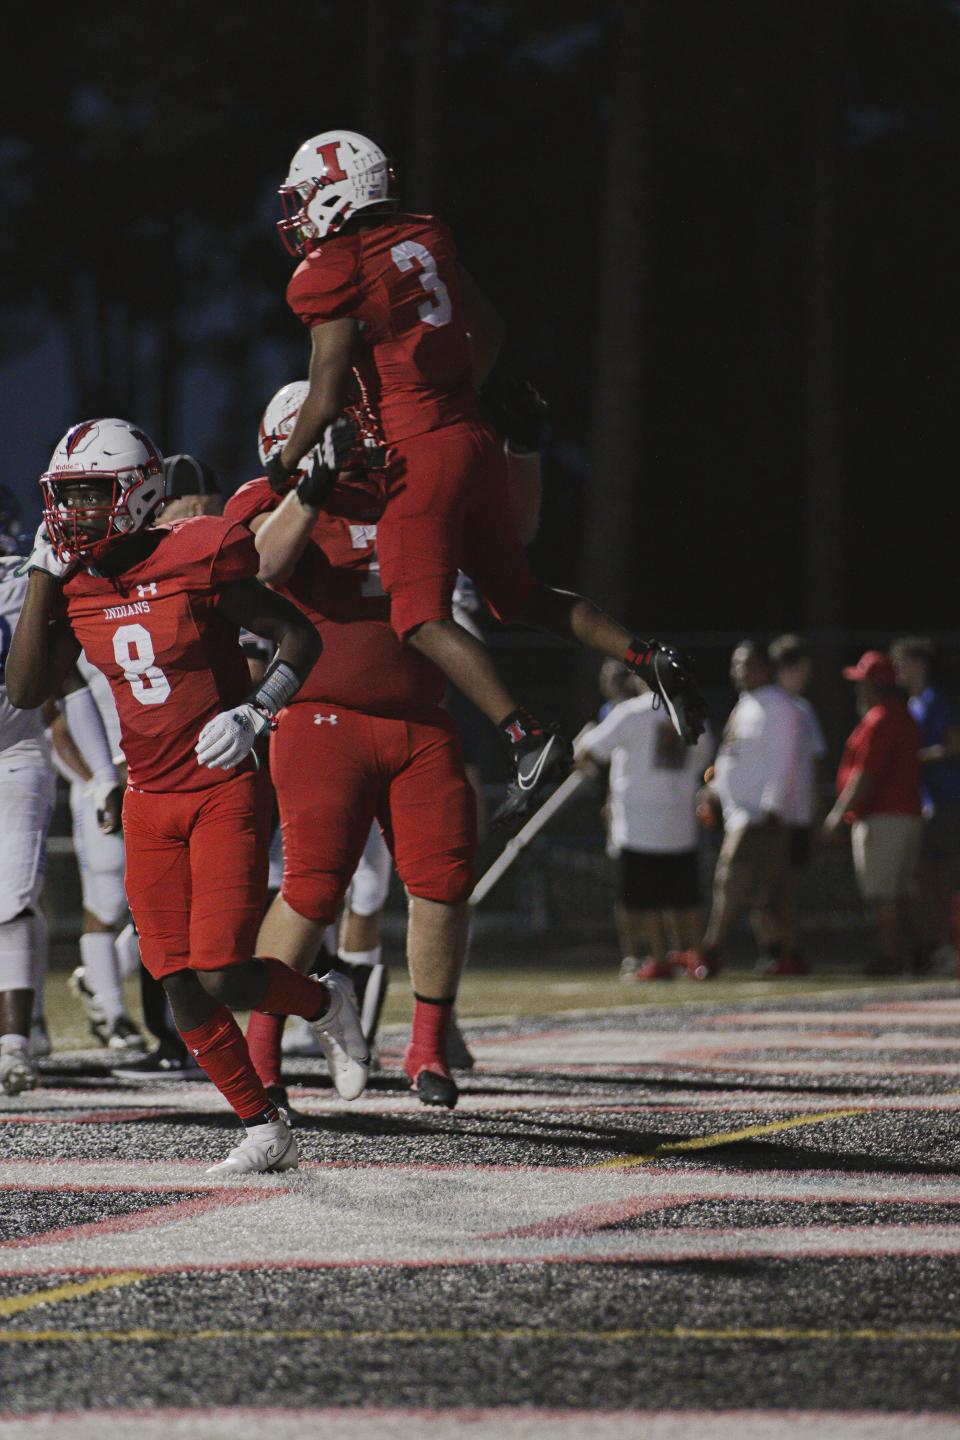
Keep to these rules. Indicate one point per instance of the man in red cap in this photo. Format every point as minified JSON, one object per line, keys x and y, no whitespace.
{"x":878,"y":796}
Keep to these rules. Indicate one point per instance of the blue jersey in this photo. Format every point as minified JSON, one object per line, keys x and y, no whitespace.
{"x":935,"y":714}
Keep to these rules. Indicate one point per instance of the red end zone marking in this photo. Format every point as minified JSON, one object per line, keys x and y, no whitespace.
{"x":141,"y":1219}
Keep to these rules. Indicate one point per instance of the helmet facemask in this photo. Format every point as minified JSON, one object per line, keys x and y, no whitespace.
{"x":130,"y":499}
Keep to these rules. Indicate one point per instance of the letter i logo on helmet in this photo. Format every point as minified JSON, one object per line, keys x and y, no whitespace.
{"x":332,"y":177}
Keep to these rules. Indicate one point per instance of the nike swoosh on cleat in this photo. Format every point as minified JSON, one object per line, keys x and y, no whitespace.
{"x":527,"y":782}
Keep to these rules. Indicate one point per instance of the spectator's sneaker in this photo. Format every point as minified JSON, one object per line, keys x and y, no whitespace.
{"x":651,"y":969}
{"x":431,"y":1079}
{"x":540,"y":759}
{"x":39,"y":1046}
{"x":771,"y":967}
{"x":667,"y":672}
{"x":16,"y":1068}
{"x":167,"y":1062}
{"x":700,"y":964}
{"x":299,"y":1039}
{"x":264,"y":1148}
{"x":341,"y":1037}
{"x":122,"y":1034}
{"x":458,"y":1052}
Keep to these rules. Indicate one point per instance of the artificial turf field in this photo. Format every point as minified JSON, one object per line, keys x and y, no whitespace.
{"x":729,"y":1216}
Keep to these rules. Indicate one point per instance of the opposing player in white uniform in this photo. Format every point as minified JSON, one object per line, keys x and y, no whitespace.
{"x":108,"y":949}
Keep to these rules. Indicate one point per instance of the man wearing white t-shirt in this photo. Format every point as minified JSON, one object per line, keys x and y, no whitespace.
{"x":792,"y":664}
{"x":755,"y":781}
{"x":654,"y":779}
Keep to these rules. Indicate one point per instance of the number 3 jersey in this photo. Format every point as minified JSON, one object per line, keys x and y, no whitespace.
{"x":400,"y":280}
{"x":171,"y":656}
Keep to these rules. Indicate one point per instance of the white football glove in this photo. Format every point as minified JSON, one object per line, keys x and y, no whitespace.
{"x":230,"y":736}
{"x":44,"y":557}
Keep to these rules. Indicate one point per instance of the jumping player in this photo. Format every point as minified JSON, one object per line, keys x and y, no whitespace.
{"x":158,"y":611}
{"x":364,"y":739}
{"x":382,"y":293}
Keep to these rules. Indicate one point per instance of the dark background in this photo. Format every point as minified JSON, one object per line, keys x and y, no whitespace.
{"x":724,"y":235}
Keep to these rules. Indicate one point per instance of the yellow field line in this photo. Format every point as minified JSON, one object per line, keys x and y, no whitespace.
{"x":17,"y":1303}
{"x":728,"y":1137}
{"x":677,"y":1332}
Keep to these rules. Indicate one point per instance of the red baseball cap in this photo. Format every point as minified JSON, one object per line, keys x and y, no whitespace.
{"x":872,"y":665}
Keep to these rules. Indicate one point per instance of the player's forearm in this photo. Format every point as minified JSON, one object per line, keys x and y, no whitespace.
{"x":32,"y":674}
{"x":526,"y":492}
{"x":282,"y":539}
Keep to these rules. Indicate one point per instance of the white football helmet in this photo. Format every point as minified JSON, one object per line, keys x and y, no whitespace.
{"x":279,"y":419}
{"x":331,"y":177}
{"x":110,"y":450}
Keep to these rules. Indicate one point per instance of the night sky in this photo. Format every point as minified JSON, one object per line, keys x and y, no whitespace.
{"x":794,"y":156}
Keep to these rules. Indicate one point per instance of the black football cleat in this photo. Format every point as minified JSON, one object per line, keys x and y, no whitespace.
{"x":668,"y":673}
{"x":540,"y":761}
{"x":434,"y":1089}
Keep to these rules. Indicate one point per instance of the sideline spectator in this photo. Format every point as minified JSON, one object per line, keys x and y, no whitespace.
{"x":754,"y":780}
{"x":654,"y":779}
{"x":792,"y":663}
{"x":878,"y":796}
{"x":914,"y":665}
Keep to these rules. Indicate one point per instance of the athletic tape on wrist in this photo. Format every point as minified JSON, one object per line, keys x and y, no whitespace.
{"x":277,"y":688}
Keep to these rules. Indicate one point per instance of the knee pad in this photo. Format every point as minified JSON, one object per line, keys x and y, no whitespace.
{"x":315,"y":897}
{"x":450,"y":882}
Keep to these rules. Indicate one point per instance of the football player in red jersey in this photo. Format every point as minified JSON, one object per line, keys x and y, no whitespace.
{"x":158,"y":612}
{"x":365,"y":738}
{"x":382,"y":293}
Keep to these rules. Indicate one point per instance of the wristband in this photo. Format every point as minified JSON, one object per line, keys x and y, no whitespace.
{"x":276,"y":689}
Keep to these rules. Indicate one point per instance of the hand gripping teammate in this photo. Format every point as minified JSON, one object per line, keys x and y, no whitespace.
{"x":158,"y":612}
{"x":365,"y":739}
{"x":382,"y":293}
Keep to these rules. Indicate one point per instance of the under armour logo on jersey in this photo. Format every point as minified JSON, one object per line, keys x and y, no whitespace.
{"x":144,"y":590}
{"x":324,"y":719}
{"x":361,"y":536}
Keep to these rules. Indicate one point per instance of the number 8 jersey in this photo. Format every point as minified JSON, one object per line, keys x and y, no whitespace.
{"x":400,"y":280}
{"x":172,"y":658}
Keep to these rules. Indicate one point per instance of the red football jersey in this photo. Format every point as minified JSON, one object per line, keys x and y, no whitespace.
{"x":172,"y":658}
{"x":336,"y":583}
{"x":400,"y":279}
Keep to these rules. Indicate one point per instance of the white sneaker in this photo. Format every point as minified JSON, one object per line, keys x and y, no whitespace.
{"x":263,"y":1148}
{"x":16,"y":1069}
{"x":299,"y":1039}
{"x":341,"y":1037}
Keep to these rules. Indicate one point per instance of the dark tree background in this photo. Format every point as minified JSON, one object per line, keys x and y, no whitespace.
{"x":724,"y":237}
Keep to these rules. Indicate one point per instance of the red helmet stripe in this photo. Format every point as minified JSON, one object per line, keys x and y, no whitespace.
{"x":77,"y":434}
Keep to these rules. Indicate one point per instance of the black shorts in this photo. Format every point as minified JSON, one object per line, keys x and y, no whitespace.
{"x":652,"y":881}
{"x":799,"y":845}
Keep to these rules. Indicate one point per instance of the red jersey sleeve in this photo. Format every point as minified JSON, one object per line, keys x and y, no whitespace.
{"x":235,"y":559}
{"x":327,"y":286}
{"x":253,"y":499}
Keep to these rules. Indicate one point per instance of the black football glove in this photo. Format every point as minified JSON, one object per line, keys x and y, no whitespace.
{"x":281,"y":479}
{"x":333,"y":448}
{"x":515,"y":408}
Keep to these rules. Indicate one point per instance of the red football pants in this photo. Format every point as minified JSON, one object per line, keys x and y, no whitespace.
{"x":196,"y":873}
{"x":448,"y":509}
{"x":336,"y":771}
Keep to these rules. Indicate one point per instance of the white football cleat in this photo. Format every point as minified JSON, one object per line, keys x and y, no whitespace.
{"x":264,"y":1148}
{"x":16,"y":1069}
{"x":299,"y":1039}
{"x":341,"y":1036}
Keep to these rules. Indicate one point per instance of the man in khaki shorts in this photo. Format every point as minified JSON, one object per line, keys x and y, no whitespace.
{"x":878,"y":796}
{"x":754,"y":781}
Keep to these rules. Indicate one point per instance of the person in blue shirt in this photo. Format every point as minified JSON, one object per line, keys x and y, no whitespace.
{"x":938,"y":876}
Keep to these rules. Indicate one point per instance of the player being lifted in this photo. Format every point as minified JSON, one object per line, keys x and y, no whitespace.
{"x":382,"y":293}
{"x":365,"y":739}
{"x":158,"y":611}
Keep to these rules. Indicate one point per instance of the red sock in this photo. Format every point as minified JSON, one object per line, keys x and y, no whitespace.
{"x":264,"y":1033}
{"x":290,"y":993}
{"x":221,"y":1050}
{"x":428,"y":1037}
